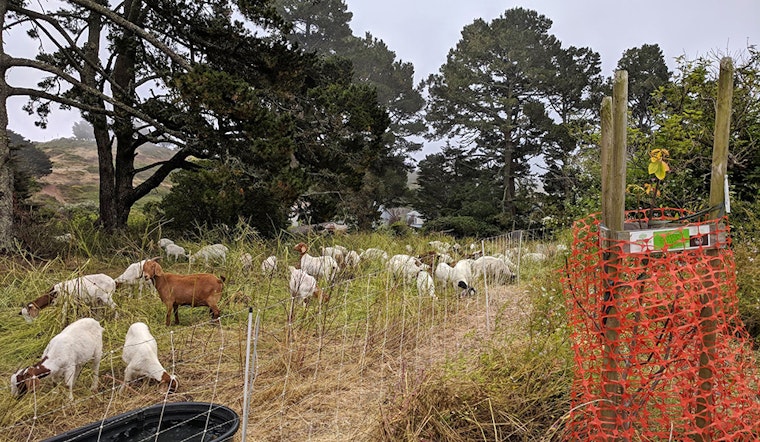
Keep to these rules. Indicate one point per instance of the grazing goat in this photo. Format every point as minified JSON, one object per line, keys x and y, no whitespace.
{"x":461,"y":277}
{"x":405,"y":266}
{"x":133,"y":275}
{"x":88,"y":288}
{"x":269,"y":265}
{"x":373,"y":253}
{"x":425,"y":285}
{"x":163,"y":242}
{"x":337,"y":252}
{"x":304,"y":286}
{"x":352,"y":259}
{"x":216,"y":253}
{"x":175,"y":251}
{"x":494,"y":269}
{"x":317,"y":266}
{"x":64,"y":357}
{"x":246,"y":262}
{"x":195,"y":290}
{"x":141,"y":355}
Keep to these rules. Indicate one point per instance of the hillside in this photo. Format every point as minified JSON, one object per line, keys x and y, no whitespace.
{"x":74,"y":179}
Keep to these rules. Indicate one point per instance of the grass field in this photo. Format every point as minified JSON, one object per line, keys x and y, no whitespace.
{"x":377,"y":362}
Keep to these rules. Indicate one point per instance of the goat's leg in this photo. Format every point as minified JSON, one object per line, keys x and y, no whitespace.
{"x":176,"y":314}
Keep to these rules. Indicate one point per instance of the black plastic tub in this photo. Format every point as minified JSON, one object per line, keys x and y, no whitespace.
{"x":174,"y":421}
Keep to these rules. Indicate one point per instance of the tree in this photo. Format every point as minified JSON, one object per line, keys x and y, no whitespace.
{"x":83,"y":130}
{"x":28,"y":164}
{"x":683,"y":119}
{"x":323,"y":27}
{"x":647,"y":72}
{"x":191,"y":74}
{"x":495,"y":90}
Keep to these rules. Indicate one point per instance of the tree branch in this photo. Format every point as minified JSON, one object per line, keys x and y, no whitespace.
{"x":126,"y":24}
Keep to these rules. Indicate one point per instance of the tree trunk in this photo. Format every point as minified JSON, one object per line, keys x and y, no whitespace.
{"x":508,"y":197}
{"x":116,"y":181}
{"x":6,"y":170}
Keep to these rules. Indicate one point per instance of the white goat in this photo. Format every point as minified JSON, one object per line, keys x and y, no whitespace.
{"x":216,"y":253}
{"x":494,"y":269}
{"x":141,"y":355}
{"x":64,"y":357}
{"x":425,"y":285}
{"x":133,"y":275}
{"x":374,"y":253}
{"x":352,"y":259}
{"x":163,"y":242}
{"x":443,"y":272}
{"x":303,"y":286}
{"x":461,"y":277}
{"x":337,"y":252}
{"x":175,"y":251}
{"x":440,"y":246}
{"x":405,"y":266}
{"x":317,"y":266}
{"x":89,"y":289}
{"x":246,"y":262}
{"x":269,"y":265}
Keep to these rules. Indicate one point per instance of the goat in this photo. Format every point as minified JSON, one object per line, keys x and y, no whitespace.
{"x":405,"y":266}
{"x":133,"y":275}
{"x":462,"y":275}
{"x":175,"y":251}
{"x":163,"y":242}
{"x":495,"y":269}
{"x":316,"y":266}
{"x":214,"y":253}
{"x":141,"y":355}
{"x":195,"y":290}
{"x":65,"y":355}
{"x":246,"y":261}
{"x":337,"y":252}
{"x":304,"y":286}
{"x":425,"y":285}
{"x":352,"y":259}
{"x":88,"y":288}
{"x":269,"y":265}
{"x":374,"y":253}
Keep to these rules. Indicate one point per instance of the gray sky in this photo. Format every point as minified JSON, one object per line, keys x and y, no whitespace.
{"x":423,"y":31}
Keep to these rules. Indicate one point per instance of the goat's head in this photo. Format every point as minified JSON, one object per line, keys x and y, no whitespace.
{"x":28,"y":379}
{"x":301,"y":248}
{"x":170,"y":381}
{"x":32,"y":309}
{"x":151,"y":268}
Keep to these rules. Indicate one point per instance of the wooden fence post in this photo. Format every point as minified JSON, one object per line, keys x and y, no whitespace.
{"x":707,"y":314}
{"x":613,"y":144}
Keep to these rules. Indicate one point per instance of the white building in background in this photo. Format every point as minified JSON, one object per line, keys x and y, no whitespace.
{"x":410,"y":217}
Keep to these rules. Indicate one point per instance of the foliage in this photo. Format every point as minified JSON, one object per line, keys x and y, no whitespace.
{"x":220,"y":193}
{"x":460,"y":227}
{"x":647,"y":73}
{"x":497,"y":89}
{"x":323,"y":27}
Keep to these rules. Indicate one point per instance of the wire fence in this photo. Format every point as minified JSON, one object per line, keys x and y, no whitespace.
{"x":323,"y":372}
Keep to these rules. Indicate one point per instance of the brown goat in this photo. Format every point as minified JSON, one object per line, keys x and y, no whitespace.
{"x":195,"y":290}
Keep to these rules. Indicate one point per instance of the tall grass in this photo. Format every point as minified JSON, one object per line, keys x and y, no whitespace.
{"x":377,"y":362}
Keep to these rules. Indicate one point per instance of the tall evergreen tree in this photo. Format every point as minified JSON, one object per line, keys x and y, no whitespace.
{"x":497,"y":88}
{"x":647,"y":72}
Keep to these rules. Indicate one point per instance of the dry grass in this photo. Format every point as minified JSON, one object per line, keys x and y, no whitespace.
{"x":376,"y":363}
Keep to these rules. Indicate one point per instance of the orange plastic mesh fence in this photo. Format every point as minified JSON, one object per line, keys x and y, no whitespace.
{"x":660,"y":351}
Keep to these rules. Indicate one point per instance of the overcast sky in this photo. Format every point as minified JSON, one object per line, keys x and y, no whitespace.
{"x":423,"y":31}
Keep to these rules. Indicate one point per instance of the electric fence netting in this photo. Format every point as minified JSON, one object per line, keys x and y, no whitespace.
{"x":329,"y":371}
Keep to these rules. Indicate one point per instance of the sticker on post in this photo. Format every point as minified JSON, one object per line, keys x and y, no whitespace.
{"x":670,"y":240}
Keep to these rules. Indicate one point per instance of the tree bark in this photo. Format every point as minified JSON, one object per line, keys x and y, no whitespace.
{"x":6,"y":171}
